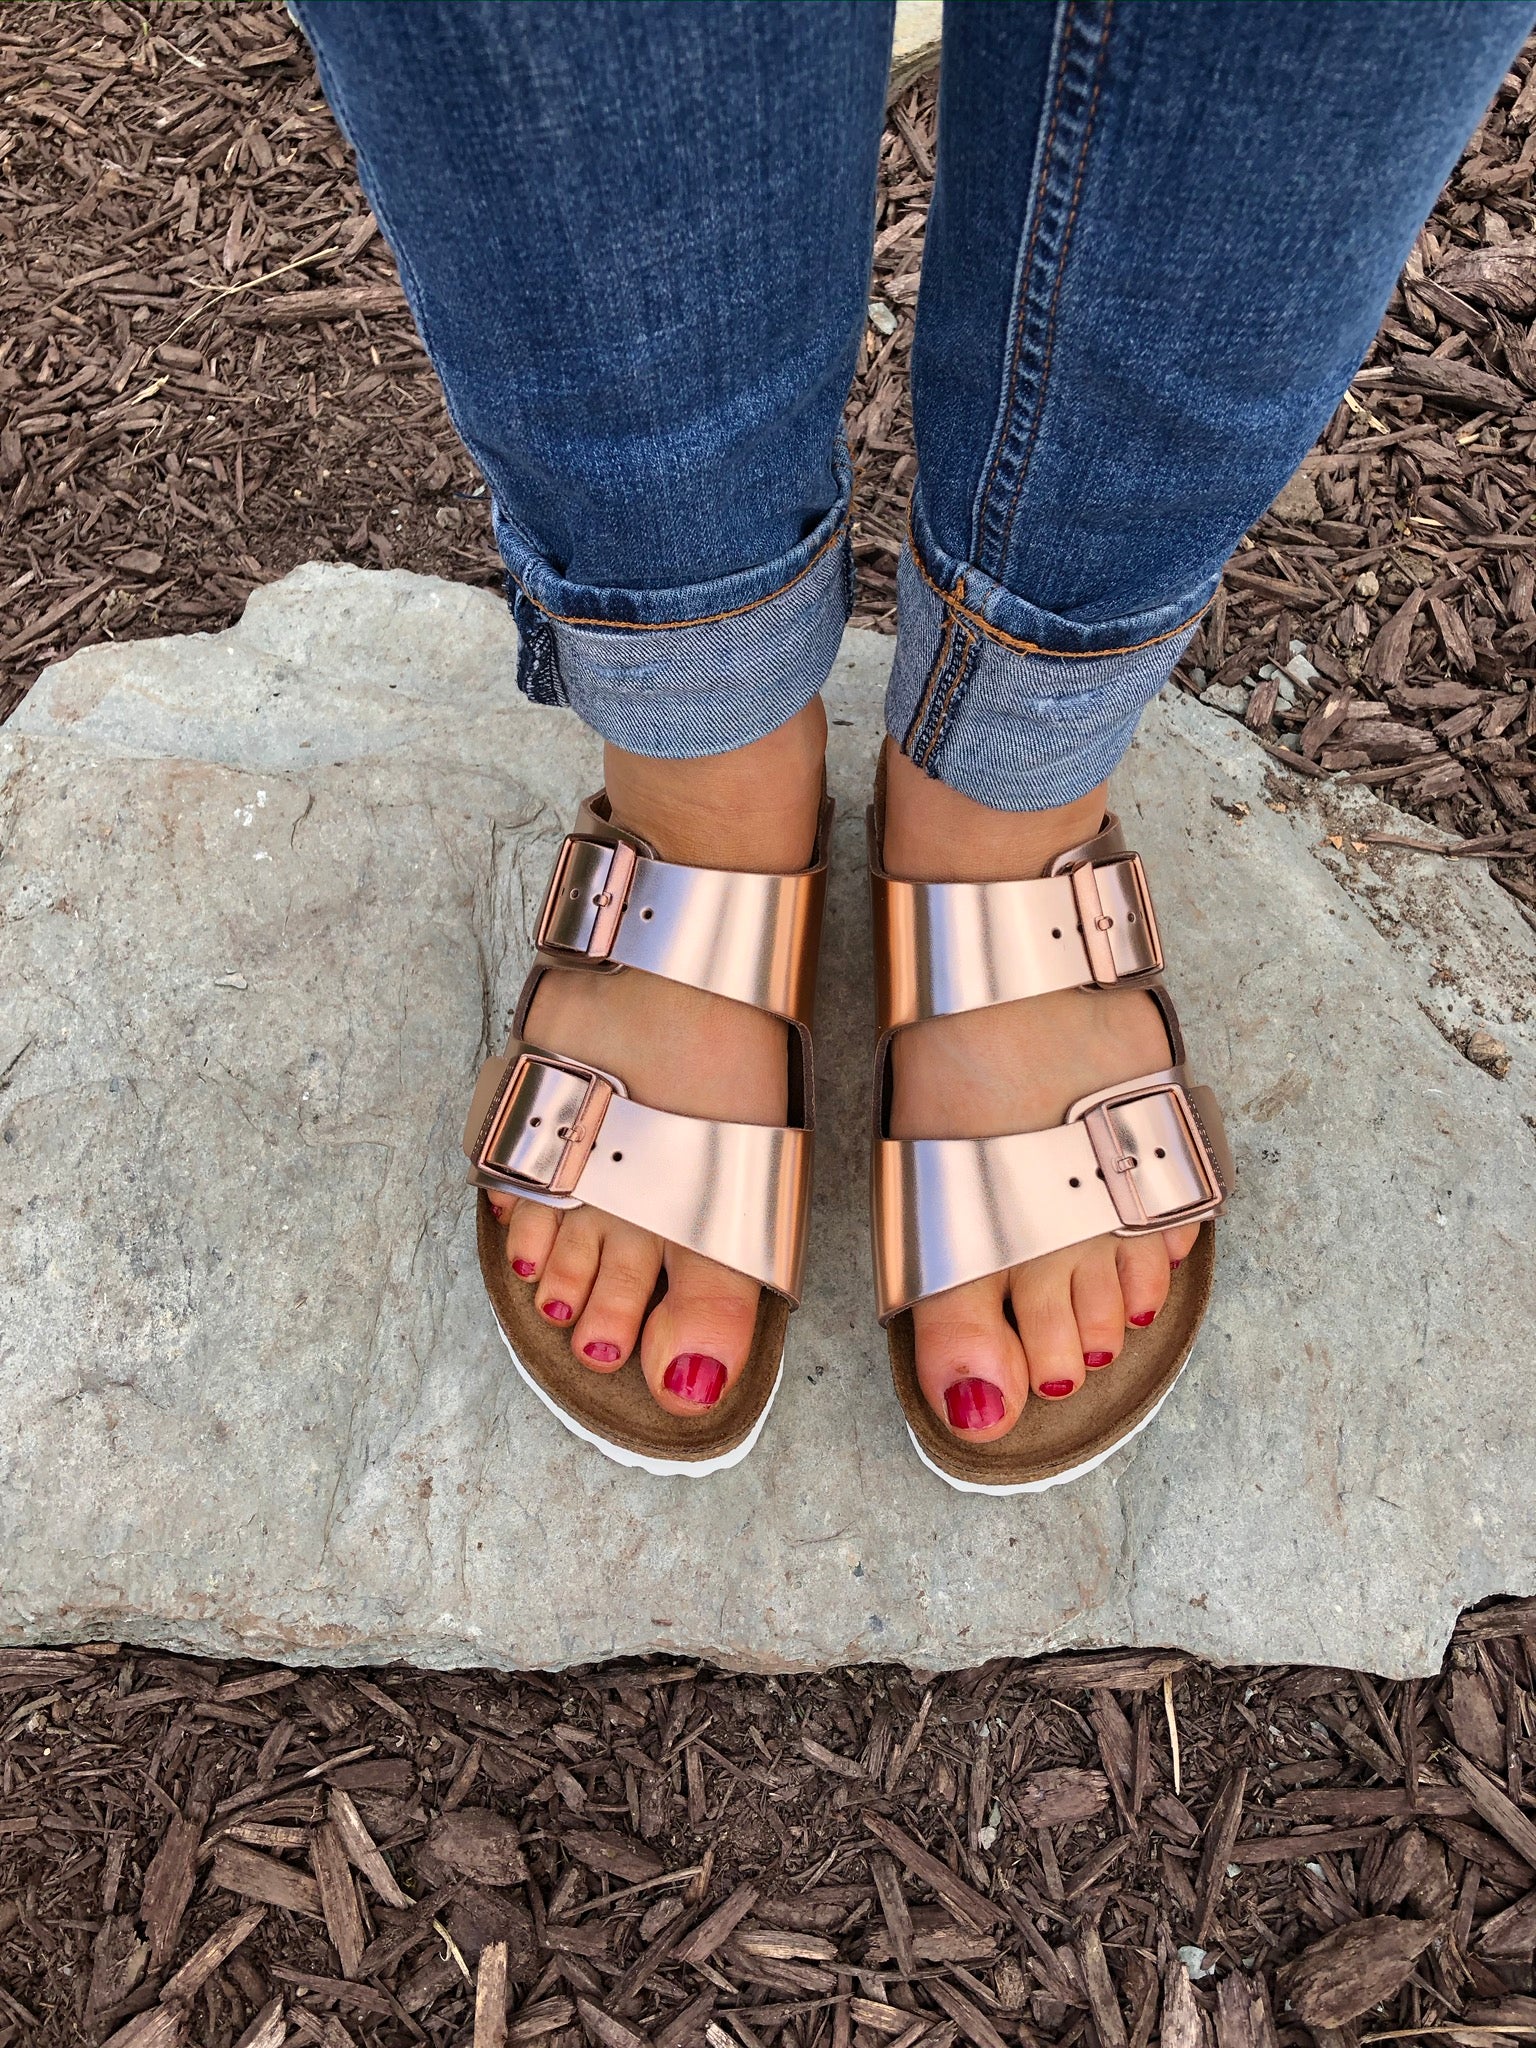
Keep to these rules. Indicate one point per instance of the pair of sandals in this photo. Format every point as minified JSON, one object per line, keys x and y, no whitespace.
{"x":1147,"y":1155}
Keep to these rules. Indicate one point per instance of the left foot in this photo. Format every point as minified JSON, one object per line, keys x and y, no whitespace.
{"x":984,"y":1348}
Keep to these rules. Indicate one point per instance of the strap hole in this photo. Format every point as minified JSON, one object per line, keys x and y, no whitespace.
{"x":617,"y":1157}
{"x":534,"y":1122}
{"x":1161,"y":1153}
{"x":647,"y":913}
{"x":564,"y":1131}
{"x":1074,"y":1182}
{"x":1099,"y":1172}
{"x":1055,"y":934}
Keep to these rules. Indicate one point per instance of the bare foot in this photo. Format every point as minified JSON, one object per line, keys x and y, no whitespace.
{"x":1018,"y":1067}
{"x":676,"y":1048}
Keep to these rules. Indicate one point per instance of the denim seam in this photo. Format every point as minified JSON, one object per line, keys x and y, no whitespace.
{"x":1037,"y":297}
{"x":954,"y":605}
{"x":681,"y":625}
{"x":952,"y":696}
{"x":1021,"y":282}
{"x":963,"y":645}
{"x":1043,"y":381}
{"x":925,"y":695}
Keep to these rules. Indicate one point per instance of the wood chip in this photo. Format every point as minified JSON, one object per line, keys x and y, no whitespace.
{"x":338,"y":1896}
{"x":1355,"y":1967}
{"x":250,"y":1875}
{"x":491,"y":1997}
{"x":960,"y":1897}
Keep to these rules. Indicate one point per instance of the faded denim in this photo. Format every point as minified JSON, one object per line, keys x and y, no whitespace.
{"x":636,"y":240}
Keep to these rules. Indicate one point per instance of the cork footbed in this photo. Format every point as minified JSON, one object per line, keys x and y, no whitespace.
{"x":617,"y":1407}
{"x":1054,"y":1438}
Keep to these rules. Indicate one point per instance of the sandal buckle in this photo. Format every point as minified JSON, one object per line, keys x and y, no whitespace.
{"x":586,"y":898}
{"x":1119,"y":926}
{"x":1157,"y":1163}
{"x":542,"y":1125}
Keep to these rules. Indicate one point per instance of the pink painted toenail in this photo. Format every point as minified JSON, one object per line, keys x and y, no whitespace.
{"x":694,"y":1376}
{"x":1174,"y":1265}
{"x":559,"y":1311}
{"x":1146,"y":1316}
{"x":973,"y":1404}
{"x":605,"y":1354}
{"x":525,"y":1267}
{"x":1057,"y":1390}
{"x":1094,"y":1359}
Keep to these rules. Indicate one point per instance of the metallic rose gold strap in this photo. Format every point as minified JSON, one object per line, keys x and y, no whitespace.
{"x":941,"y":947}
{"x":553,"y":1130}
{"x":754,"y":938}
{"x":1145,"y":1156}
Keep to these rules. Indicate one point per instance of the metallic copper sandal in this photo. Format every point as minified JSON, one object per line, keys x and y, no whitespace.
{"x":1146,"y":1155}
{"x":549,"y":1129}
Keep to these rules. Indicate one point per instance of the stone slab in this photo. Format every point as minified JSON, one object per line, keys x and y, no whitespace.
{"x":264,"y":899}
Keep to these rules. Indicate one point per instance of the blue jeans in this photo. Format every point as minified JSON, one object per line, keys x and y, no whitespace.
{"x":636,"y":240}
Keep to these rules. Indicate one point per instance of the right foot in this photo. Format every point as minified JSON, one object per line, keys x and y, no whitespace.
{"x":983,"y":1349}
{"x":676,"y":1048}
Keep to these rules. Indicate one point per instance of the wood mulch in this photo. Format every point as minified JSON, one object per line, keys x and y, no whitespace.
{"x":208,"y":375}
{"x":1107,"y":1849}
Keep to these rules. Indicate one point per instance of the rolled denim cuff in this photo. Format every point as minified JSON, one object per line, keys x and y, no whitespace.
{"x":1012,"y":705}
{"x":680,"y":673}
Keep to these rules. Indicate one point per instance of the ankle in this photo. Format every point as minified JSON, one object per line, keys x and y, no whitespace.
{"x":754,"y":807}
{"x":934,"y":834}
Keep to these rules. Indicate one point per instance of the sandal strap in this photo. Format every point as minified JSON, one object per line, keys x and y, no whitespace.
{"x":755,"y":938}
{"x":1147,"y":1155}
{"x":551,"y":1129}
{"x":942,"y":947}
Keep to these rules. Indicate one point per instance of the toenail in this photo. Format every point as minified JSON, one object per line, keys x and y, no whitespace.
{"x":1174,"y":1265}
{"x":525,"y":1267}
{"x":559,"y":1311}
{"x":1147,"y":1315}
{"x":604,"y":1353}
{"x":1057,"y":1390}
{"x":1094,"y":1359}
{"x":973,"y":1404}
{"x":695,"y":1377}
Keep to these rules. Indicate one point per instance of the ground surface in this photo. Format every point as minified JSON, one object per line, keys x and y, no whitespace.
{"x":163,"y":449}
{"x":994,"y":1857}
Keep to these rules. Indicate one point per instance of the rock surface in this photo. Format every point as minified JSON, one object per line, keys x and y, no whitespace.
{"x":263,"y":902}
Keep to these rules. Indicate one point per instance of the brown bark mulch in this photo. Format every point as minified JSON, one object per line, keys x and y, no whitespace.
{"x":207,"y":375}
{"x":1108,"y":1849}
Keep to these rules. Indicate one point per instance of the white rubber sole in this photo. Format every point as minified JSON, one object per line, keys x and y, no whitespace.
{"x":1057,"y":1478}
{"x":621,"y":1454}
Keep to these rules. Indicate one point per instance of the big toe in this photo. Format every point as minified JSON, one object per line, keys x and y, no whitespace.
{"x":699,"y":1336}
{"x":969,"y":1364}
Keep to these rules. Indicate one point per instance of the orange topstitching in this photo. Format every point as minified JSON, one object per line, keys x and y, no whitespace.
{"x":985,"y":627}
{"x":667,"y":625}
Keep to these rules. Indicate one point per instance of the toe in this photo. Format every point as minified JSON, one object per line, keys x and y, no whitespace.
{"x":1098,"y":1304}
{"x":531,"y":1231}
{"x":698,"y":1337}
{"x":608,"y":1328}
{"x":969,"y":1364}
{"x":571,"y":1267}
{"x":1180,"y":1243}
{"x":1043,"y":1310}
{"x":1143,"y":1263}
